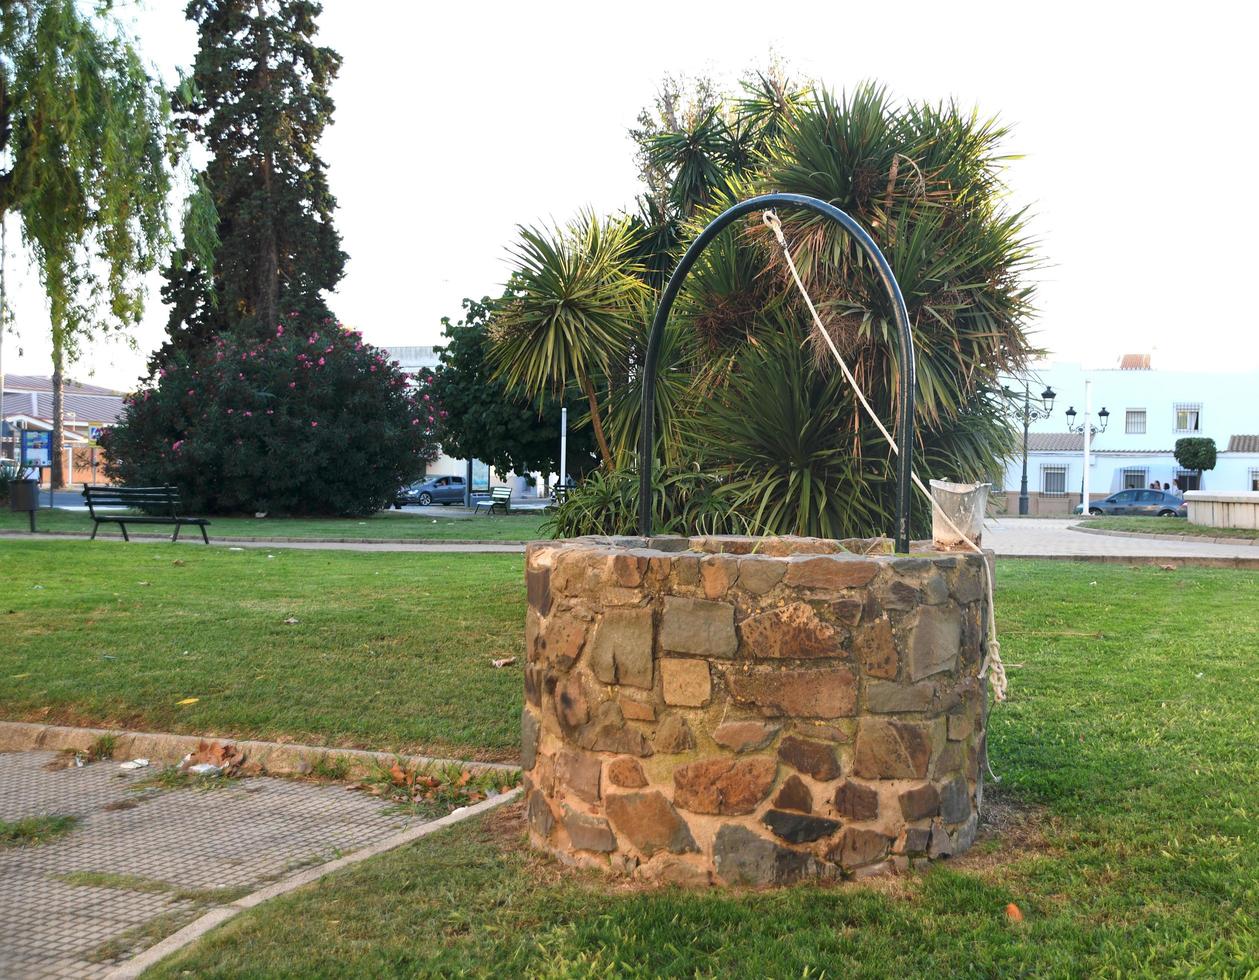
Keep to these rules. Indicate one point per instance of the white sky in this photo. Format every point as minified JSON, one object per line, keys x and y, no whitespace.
{"x":455,"y":122}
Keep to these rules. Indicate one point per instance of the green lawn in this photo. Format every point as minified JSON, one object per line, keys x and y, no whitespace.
{"x":1131,"y":744}
{"x":1167,"y":525}
{"x":1130,"y":747}
{"x":386,"y":525}
{"x":391,"y":650}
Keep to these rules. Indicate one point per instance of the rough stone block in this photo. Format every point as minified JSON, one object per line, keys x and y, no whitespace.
{"x":955,"y":800}
{"x":607,"y":732}
{"x":848,"y":610}
{"x":856,"y":802}
{"x":534,"y":677}
{"x":538,"y":589}
{"x":723,"y":786}
{"x":621,"y":652}
{"x":538,"y":815}
{"x":790,"y":632}
{"x":572,"y":709}
{"x":673,"y":736}
{"x":920,"y":802}
{"x":899,"y":595}
{"x":530,"y":729}
{"x":961,"y":724}
{"x":745,"y":736}
{"x":717,"y":574}
{"x":816,"y":759}
{"x":838,"y":572}
{"x":892,"y":749}
{"x":685,"y":682}
{"x":743,"y":857}
{"x":698,"y":627}
{"x":637,"y":710}
{"x":935,"y":639}
{"x":875,"y":648}
{"x":627,"y":570}
{"x":887,"y":697}
{"x":627,"y":773}
{"x":913,"y":840}
{"x":650,"y":823}
{"x":822,"y":693}
{"x":758,"y":575}
{"x":588,"y":833}
{"x":799,"y":828}
{"x":858,"y":847}
{"x":579,"y":772}
{"x":794,"y":795}
{"x":560,"y":641}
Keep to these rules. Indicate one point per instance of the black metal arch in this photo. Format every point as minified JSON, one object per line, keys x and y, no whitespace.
{"x":904,"y":434}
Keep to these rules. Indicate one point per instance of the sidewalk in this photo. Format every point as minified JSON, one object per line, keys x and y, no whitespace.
{"x":1042,"y":537}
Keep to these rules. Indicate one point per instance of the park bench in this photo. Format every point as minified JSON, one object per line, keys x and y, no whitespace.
{"x":157,"y":505}
{"x":500,"y":497}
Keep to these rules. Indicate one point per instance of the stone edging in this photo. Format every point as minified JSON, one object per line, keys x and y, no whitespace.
{"x":216,"y":917}
{"x":274,"y":757}
{"x":1180,"y":538}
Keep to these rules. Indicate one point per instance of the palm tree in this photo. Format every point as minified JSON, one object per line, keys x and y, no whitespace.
{"x":567,"y":313}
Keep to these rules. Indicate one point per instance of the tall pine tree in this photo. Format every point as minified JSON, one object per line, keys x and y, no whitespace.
{"x":257,"y":99}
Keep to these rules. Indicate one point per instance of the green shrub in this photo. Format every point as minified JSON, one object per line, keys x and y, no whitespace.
{"x":307,"y":421}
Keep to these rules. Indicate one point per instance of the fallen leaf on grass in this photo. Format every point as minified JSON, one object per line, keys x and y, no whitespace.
{"x":18,"y":677}
{"x":179,"y":561}
{"x":188,"y":701}
{"x":1167,"y":568}
{"x":223,"y":756}
{"x":504,"y":662}
{"x":292,"y":621}
{"x":1013,"y":913}
{"x":144,"y":583}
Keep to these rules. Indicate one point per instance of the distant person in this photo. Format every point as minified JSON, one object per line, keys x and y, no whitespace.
{"x":1153,"y":485}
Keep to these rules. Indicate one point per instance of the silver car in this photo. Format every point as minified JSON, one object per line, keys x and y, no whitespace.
{"x":1139,"y":503}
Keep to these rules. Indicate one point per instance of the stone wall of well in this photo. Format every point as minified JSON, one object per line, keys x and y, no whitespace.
{"x":749,"y":711}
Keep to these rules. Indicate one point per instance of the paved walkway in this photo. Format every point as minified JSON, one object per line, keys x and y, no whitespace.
{"x":1053,"y":538}
{"x":142,"y":863}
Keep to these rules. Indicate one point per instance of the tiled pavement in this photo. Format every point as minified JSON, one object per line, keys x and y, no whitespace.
{"x":240,"y":836}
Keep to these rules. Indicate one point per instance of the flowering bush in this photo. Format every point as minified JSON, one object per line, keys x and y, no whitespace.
{"x":310,"y":421}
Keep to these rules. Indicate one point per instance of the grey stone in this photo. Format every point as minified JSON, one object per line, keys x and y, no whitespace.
{"x":608,"y":732}
{"x":621,"y":652}
{"x":579,"y":773}
{"x":538,"y":814}
{"x":799,"y":828}
{"x":538,"y":589}
{"x":913,"y":840}
{"x":745,"y":736}
{"x":743,"y":857}
{"x":588,"y":833}
{"x":955,"y":800}
{"x":934,"y":642}
{"x":698,"y":627}
{"x":919,"y":802}
{"x":759,"y":575}
{"x":856,"y":802}
{"x":935,"y":590}
{"x":673,"y":736}
{"x":885,"y":697}
{"x":530,"y":729}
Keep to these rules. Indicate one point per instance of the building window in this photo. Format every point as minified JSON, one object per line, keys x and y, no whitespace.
{"x":1254,"y":479}
{"x":1188,"y":480}
{"x":1134,"y":422}
{"x":1053,"y":481}
{"x":1136,"y":478}
{"x":1188,"y":418}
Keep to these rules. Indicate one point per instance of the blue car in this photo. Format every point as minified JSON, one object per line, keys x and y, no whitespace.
{"x":1139,"y":503}
{"x":444,"y":490}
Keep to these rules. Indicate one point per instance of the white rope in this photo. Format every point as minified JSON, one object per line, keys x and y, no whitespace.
{"x":992,"y":667}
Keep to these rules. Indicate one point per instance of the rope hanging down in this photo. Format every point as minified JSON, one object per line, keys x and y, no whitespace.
{"x":992,"y":664}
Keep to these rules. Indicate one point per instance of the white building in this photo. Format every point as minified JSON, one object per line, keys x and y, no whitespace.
{"x":1149,"y":410}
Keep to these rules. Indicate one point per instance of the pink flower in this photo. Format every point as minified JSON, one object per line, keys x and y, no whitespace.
{"x":249,"y":415}
{"x":191,"y":391}
{"x":279,"y":331}
{"x":270,"y":411}
{"x":231,"y":411}
{"x":314,"y":425}
{"x":176,"y":444}
{"x":321,"y":362}
{"x":292,"y":384}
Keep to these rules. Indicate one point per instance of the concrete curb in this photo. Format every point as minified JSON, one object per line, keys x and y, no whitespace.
{"x":1179,"y":538}
{"x":162,"y":748}
{"x":1180,"y":561}
{"x":216,"y":917}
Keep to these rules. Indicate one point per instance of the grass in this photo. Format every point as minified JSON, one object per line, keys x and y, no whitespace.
{"x":1130,"y":743}
{"x":1168,"y":525}
{"x":389,"y":651}
{"x":386,"y":525}
{"x":34,"y":830}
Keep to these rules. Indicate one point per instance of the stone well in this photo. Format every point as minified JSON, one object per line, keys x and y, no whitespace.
{"x":750,"y":711}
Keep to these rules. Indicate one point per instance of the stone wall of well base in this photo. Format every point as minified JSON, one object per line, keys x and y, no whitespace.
{"x":752,"y":711}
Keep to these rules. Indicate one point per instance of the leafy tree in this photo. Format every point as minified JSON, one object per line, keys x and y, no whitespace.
{"x":482,"y":418}
{"x":310,"y":420}
{"x":750,"y":392}
{"x":1196,"y":453}
{"x":83,"y":131}
{"x":566,"y":316}
{"x":257,"y":99}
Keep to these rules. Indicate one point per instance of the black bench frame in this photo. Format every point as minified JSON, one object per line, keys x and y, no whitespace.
{"x":160,"y":506}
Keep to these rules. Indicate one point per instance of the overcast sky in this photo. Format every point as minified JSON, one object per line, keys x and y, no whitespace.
{"x":457,"y":121}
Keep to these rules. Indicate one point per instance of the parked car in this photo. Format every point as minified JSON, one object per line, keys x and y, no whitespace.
{"x":444,"y":490}
{"x":1139,"y":503}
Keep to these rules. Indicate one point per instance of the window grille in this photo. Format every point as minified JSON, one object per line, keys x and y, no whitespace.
{"x":1188,"y":418}
{"x":1134,"y":422}
{"x":1136,"y":478}
{"x":1053,"y":481}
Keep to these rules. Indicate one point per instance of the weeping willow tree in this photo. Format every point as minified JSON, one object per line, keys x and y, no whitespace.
{"x":85,"y":169}
{"x":752,"y":396}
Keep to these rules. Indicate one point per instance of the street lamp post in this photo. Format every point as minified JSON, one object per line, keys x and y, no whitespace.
{"x":1088,"y":430}
{"x":1028,"y":415}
